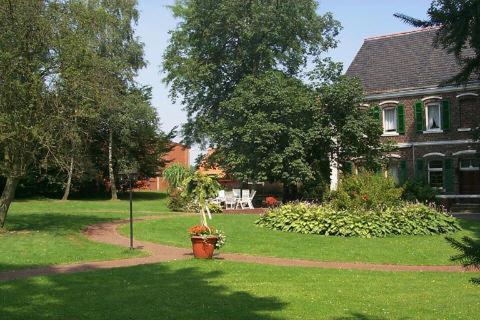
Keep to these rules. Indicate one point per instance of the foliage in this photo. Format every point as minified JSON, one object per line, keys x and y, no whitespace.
{"x":366,"y":191}
{"x":409,"y":219}
{"x":216,"y":45}
{"x":177,"y":201}
{"x":215,"y":208}
{"x":175,"y":175}
{"x":418,"y":190}
{"x":275,"y":128}
{"x":458,"y":32}
{"x":469,"y":254}
{"x":206,"y":232}
{"x":201,"y":187}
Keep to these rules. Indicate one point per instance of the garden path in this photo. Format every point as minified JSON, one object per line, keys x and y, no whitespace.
{"x":107,"y":233}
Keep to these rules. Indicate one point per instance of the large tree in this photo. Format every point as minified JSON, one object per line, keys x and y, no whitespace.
{"x":26,"y":71}
{"x":276,"y":128}
{"x":218,"y":43}
{"x":458,"y":23}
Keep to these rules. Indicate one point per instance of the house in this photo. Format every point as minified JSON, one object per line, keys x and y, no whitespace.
{"x":430,"y":123}
{"x":178,"y":154}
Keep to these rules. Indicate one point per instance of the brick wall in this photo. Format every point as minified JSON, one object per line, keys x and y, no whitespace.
{"x":464,"y":113}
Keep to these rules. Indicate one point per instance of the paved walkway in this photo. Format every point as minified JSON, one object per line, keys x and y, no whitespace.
{"x":107,"y":233}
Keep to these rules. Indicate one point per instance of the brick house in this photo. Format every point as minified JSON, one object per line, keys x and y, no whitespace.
{"x":178,"y":154}
{"x":429,"y":123}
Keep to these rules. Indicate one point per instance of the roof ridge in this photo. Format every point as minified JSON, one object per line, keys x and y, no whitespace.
{"x":399,"y":34}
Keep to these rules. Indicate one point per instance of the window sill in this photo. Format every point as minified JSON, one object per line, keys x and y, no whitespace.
{"x":390,"y":134}
{"x":432,"y":131}
{"x":464,"y":129}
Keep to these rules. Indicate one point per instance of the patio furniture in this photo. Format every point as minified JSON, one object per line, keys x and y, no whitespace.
{"x":246,"y":199}
{"x":220,"y":198}
{"x":236,"y":193}
{"x":230,"y":200}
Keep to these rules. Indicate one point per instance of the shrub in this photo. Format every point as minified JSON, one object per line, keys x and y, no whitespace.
{"x":410,"y":219}
{"x":178,"y":201}
{"x":366,"y":191}
{"x":215,"y":208}
{"x":175,"y":175}
{"x":417,"y":190}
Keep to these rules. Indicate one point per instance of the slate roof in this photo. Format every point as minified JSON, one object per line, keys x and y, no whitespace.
{"x":402,"y":61}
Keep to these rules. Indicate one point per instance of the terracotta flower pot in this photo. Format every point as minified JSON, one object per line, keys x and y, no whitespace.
{"x":203,"y":247}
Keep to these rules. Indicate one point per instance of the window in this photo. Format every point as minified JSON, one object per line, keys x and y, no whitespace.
{"x":435,"y":173}
{"x":434,"y":119}
{"x":394,"y":172}
{"x":390,"y":120}
{"x":469,"y":164}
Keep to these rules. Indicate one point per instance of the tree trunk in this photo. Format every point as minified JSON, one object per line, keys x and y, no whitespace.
{"x":7,"y":197}
{"x":113,"y":187}
{"x":69,"y":181}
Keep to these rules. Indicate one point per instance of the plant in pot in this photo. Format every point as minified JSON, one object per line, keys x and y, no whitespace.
{"x":205,"y":239}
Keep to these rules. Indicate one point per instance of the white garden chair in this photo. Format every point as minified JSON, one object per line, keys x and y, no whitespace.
{"x":230,"y":200}
{"x":246,"y":200}
{"x":220,"y":198}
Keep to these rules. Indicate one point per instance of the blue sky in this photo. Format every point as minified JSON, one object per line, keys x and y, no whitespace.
{"x":360,"y":19}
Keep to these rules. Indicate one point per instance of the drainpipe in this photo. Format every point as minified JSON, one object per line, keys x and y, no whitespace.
{"x":413,"y":160}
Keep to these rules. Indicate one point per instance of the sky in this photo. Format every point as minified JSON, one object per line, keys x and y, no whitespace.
{"x":360,"y":19}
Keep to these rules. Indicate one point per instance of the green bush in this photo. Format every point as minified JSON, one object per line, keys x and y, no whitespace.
{"x":366,"y":191}
{"x":179,"y":202}
{"x":416,"y":190}
{"x":215,"y":208}
{"x":409,"y":219}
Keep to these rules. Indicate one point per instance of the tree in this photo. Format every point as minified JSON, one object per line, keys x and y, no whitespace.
{"x":219,"y":43}
{"x":458,"y":23}
{"x":25,"y":73}
{"x":276,"y":128}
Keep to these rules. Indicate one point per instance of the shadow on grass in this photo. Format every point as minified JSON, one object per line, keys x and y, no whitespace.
{"x":143,"y":292}
{"x":58,"y":223}
{"x":472,"y":225}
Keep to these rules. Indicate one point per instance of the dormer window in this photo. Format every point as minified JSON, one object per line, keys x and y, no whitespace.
{"x":390,"y":120}
{"x":434,"y":117}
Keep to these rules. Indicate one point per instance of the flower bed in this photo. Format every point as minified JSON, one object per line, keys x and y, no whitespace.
{"x":409,"y":219}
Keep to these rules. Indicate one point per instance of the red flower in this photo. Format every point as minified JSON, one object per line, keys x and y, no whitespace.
{"x":200,"y":230}
{"x":365,"y":197}
{"x":271,"y":201}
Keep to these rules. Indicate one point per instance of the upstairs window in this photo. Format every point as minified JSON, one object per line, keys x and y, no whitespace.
{"x":389,"y":120}
{"x":434,"y":118}
{"x":435,"y":173}
{"x":469,"y":164}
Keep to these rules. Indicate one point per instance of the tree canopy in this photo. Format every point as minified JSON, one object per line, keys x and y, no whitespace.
{"x":218,"y":43}
{"x":68,"y":93}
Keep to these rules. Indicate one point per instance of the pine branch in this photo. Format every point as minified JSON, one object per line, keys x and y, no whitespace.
{"x":413,"y":21}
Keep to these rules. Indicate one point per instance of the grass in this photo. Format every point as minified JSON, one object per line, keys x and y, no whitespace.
{"x":227,"y":290}
{"x":243,"y":236}
{"x":44,"y":232}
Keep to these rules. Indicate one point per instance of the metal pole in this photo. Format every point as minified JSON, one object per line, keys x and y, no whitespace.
{"x":131,"y":217}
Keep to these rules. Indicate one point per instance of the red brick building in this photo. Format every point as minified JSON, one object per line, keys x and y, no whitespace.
{"x":179,"y":154}
{"x":430,"y":123}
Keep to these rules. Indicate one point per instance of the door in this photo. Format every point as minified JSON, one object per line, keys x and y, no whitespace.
{"x":469,"y":176}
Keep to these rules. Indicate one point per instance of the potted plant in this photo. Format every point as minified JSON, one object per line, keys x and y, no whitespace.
{"x":204,"y":239}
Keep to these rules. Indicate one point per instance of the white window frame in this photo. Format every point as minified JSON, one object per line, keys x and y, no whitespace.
{"x":470,"y":168}
{"x":390,"y":133}
{"x":435,"y":170}
{"x":433,"y":104}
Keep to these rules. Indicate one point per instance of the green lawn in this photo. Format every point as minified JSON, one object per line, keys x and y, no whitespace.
{"x":243,"y":236}
{"x":44,"y":232}
{"x":227,"y":290}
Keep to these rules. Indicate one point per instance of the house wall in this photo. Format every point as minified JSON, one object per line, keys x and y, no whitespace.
{"x":464,"y":114}
{"x":179,"y":154}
